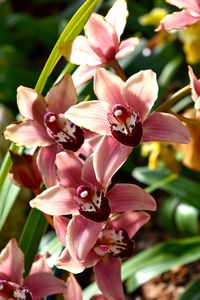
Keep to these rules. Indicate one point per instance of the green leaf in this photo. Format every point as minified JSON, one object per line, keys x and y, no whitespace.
{"x":184,"y":188}
{"x":34,"y":229}
{"x":70,"y":32}
{"x":192,"y":291}
{"x":159,"y":259}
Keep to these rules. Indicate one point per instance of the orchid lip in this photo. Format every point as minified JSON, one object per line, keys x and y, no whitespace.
{"x":14,"y":291}
{"x":63,"y":131}
{"x":125,"y":125}
{"x":92,"y":203}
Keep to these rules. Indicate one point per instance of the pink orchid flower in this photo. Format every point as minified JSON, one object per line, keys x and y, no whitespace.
{"x":122,"y":115}
{"x":94,"y":50}
{"x":195,"y":90}
{"x":39,"y":283}
{"x":189,"y":15}
{"x":44,"y":124}
{"x":113,"y":243}
{"x":79,"y":191}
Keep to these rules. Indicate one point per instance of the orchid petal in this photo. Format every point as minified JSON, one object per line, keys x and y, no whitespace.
{"x":164,"y":127}
{"x":194,"y":84}
{"x":187,"y":4}
{"x":117,"y":16}
{"x":80,"y":52}
{"x":31,"y":104}
{"x":66,"y":262}
{"x":177,"y":20}
{"x":27,"y":133}
{"x":62,"y":95}
{"x":99,"y":297}
{"x":126,"y":47}
{"x":141,"y":91}
{"x":56,"y":201}
{"x":108,"y":158}
{"x":60,"y":224}
{"x":105,"y":44}
{"x":88,"y":174}
{"x":131,"y":222}
{"x":44,"y":284}
{"x":46,"y":164}
{"x":123,"y":197}
{"x":108,"y":277}
{"x":68,"y":169}
{"x":82,"y":235}
{"x":40,"y":265}
{"x":91,"y":115}
{"x":74,"y":290}
{"x":12,"y":262}
{"x":83,"y":74}
{"x":108,"y":87}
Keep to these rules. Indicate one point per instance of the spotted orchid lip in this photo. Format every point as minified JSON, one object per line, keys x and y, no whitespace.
{"x":92,"y":203}
{"x":63,"y":131}
{"x":12,"y":290}
{"x":125,"y":125}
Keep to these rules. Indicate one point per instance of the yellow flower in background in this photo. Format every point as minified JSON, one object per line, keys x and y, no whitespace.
{"x":153,"y":17}
{"x":191,"y":43}
{"x":160,"y":151}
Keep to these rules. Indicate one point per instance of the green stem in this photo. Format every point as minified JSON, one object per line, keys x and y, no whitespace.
{"x":166,"y":106}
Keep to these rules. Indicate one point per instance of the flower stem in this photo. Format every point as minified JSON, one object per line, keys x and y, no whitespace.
{"x":118,"y":69}
{"x":166,"y":106}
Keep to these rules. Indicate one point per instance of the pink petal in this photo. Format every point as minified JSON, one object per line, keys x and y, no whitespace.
{"x":82,"y":235}
{"x":44,"y":284}
{"x":117,"y":16}
{"x":80,"y":52}
{"x":69,"y":169}
{"x":194,"y":84}
{"x":141,"y":91}
{"x":109,"y":87}
{"x":99,"y":297}
{"x":62,"y":95}
{"x":46,"y":164}
{"x":31,"y":104}
{"x":40,"y":265}
{"x":124,"y":197}
{"x":177,"y":20}
{"x":108,"y":158}
{"x":60,"y":224}
{"x":91,"y":115}
{"x":126,"y":47}
{"x":27,"y":133}
{"x":105,"y":44}
{"x":108,"y":277}
{"x":74,"y":290}
{"x":55,"y":201}
{"x":83,"y":74}
{"x":131,"y":222}
{"x":12,"y":262}
{"x":66,"y":262}
{"x":88,"y":173}
{"x":188,"y":4}
{"x":163,"y":127}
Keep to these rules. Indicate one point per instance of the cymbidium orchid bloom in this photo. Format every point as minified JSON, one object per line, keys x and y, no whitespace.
{"x":189,"y":14}
{"x":113,"y":243}
{"x":39,"y":283}
{"x":94,"y":50}
{"x":195,"y":90}
{"x":44,"y":124}
{"x":79,"y":191}
{"x":122,"y":115}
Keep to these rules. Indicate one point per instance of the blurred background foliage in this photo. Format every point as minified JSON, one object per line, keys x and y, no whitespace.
{"x":28,"y":32}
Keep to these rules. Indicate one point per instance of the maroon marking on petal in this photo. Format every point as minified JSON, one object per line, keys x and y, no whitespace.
{"x":92,"y":204}
{"x":126,"y":125}
{"x":11,"y":290}
{"x":63,"y":131}
{"x":116,"y":242}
